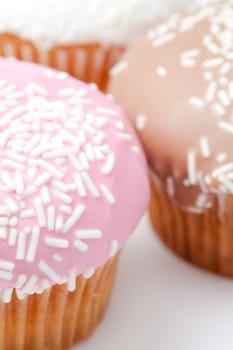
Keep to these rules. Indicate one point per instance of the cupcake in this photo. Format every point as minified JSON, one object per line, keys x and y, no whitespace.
{"x":176,"y":85}
{"x":84,"y":38}
{"x":66,"y":208}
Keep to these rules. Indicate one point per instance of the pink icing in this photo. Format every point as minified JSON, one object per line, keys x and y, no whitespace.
{"x":95,"y":128}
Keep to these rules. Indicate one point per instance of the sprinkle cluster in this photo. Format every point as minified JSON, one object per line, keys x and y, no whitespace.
{"x":214,"y":59}
{"x":50,"y":147}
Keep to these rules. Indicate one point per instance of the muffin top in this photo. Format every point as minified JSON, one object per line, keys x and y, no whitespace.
{"x":79,"y":21}
{"x":73,"y":178}
{"x":176,"y":83}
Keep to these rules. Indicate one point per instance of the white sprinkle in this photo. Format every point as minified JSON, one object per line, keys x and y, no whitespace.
{"x":119,"y":68}
{"x":40,"y":213}
{"x":31,"y":173}
{"x":60,"y":186}
{"x":191,"y":159}
{"x":59,"y":153}
{"x":50,"y":168}
{"x":51,"y":217}
{"x":3,"y":221}
{"x":28,"y":192}
{"x":66,"y":209}
{"x":57,"y":257}
{"x":62,"y":75}
{"x":21,"y":246}
{"x":42,"y":148}
{"x":12,"y":164}
{"x":29,"y":287}
{"x":124,"y":136}
{"x":72,"y":280}
{"x":56,"y":242}
{"x":90,"y":184}
{"x":59,"y":223}
{"x":27,"y":213}
{"x":4,"y":210}
{"x":81,"y":246}
{"x":48,"y":271}
{"x":80,"y":187}
{"x":12,"y":237}
{"x":13,"y":221}
{"x":188,"y":63}
{"x":109,"y":164}
{"x":89,"y":152}
{"x":62,"y":196}
{"x":197,"y":102}
{"x":19,"y":183}
{"x":42,"y":179}
{"x":227,"y":183}
{"x":12,"y":205}
{"x":8,"y":180}
{"x":11,"y":115}
{"x":190,"y":54}
{"x":16,"y":95}
{"x":223,"y":97}
{"x":45,"y":196}
{"x":221,"y":157}
{"x":107,"y":194}
{"x":226,"y":126}
{"x":32,"y":143}
{"x":223,"y":169}
{"x":161,"y":71}
{"x":113,"y":248}
{"x":205,"y":149}
{"x":20,"y":281}
{"x":89,"y":273}
{"x":170,"y":186}
{"x":136,"y":150}
{"x":3,"y":139}
{"x":16,"y":156}
{"x":7,"y":265}
{"x":201,"y":200}
{"x":7,"y":295}
{"x":164,"y":39}
{"x":140,"y":122}
{"x":89,"y":234}
{"x":218,"y":110}
{"x":6,"y":275}
{"x":226,"y":67}
{"x":84,"y":161}
{"x":3,"y":232}
{"x":211,"y":91}
{"x":71,"y":221}
{"x":213,"y":62}
{"x":34,"y":88}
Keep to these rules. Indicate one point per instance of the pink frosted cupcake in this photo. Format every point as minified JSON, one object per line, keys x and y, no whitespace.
{"x":74,"y":186}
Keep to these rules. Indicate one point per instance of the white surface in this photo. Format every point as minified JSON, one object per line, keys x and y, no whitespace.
{"x":78,"y":21}
{"x":161,"y":303}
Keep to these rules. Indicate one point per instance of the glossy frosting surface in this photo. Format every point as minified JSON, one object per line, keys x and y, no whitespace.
{"x":73,"y":178}
{"x":176,"y":83}
{"x":77,"y":21}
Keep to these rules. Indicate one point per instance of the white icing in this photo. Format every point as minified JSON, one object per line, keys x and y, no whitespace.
{"x":52,"y":22}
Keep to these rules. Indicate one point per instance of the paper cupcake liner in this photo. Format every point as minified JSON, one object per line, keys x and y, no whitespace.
{"x":57,"y":318}
{"x":90,"y":63}
{"x":203,"y":239}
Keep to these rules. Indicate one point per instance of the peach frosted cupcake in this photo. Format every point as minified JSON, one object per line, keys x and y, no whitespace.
{"x":74,"y":186}
{"x":176,"y":84}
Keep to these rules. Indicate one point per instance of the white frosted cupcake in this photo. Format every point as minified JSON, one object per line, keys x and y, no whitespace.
{"x":84,"y":38}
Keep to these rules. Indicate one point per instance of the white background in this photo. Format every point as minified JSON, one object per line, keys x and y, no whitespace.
{"x":161,"y":303}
